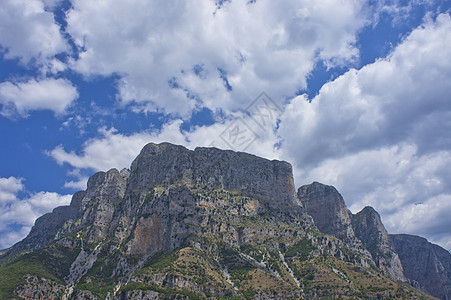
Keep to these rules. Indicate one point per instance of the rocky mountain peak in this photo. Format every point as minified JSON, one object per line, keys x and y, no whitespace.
{"x":369,"y":229}
{"x":327,"y":208}
{"x":166,"y":164}
{"x":368,"y":226}
{"x":428,"y":265}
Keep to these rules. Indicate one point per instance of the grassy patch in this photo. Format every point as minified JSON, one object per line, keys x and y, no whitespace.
{"x":301,"y":249}
{"x":100,"y":291}
{"x":160,"y":261}
{"x":13,"y":274}
{"x":165,"y":293}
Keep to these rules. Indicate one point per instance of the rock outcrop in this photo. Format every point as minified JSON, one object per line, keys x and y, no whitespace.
{"x":427,"y":264}
{"x":166,"y":164}
{"x":46,"y":227}
{"x":369,"y":229}
{"x":401,"y":257}
{"x":328,"y":210}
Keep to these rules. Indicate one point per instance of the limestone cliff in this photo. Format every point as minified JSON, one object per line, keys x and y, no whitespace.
{"x":427,"y":264}
{"x":401,"y":257}
{"x":166,"y":164}
{"x":369,"y":229}
{"x":328,"y":210}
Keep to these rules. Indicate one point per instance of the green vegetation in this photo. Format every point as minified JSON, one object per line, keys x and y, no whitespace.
{"x":57,"y":258}
{"x":164,"y":292}
{"x":98,"y":290}
{"x":13,"y":274}
{"x":160,"y":261}
{"x":52,"y":263}
{"x":301,"y":250}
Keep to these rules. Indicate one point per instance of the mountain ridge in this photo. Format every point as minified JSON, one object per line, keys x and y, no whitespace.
{"x":235,"y":217}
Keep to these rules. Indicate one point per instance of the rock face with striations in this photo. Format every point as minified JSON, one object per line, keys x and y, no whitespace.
{"x":46,"y":227}
{"x":328,"y":209}
{"x":369,"y":229}
{"x":428,"y":264}
{"x":401,"y":257}
{"x":166,"y":164}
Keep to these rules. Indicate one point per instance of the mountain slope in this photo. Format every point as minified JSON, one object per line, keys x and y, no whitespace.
{"x":400,"y":257}
{"x":183,"y":224}
{"x":369,"y":229}
{"x":427,"y":264}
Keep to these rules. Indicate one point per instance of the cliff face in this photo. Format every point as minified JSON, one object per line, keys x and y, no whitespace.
{"x":203,"y":223}
{"x":46,"y":227}
{"x":427,"y":264}
{"x":328,"y":210}
{"x":112,"y":198}
{"x":369,"y":229}
{"x":401,"y":257}
{"x":166,"y":164}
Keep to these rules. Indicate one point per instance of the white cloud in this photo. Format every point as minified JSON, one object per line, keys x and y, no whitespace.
{"x":433,"y":213}
{"x":169,"y":60}
{"x":22,"y":97}
{"x":9,"y":187}
{"x":381,"y":134}
{"x":114,"y":150}
{"x":17,"y":215}
{"x":51,"y":4}
{"x":29,"y":32}
{"x":404,"y":97}
{"x":79,"y":184}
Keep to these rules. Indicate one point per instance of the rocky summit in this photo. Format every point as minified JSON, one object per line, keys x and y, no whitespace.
{"x":209,"y":223}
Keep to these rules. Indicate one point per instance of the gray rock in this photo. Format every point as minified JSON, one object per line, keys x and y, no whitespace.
{"x":427,"y":264}
{"x":172,"y":196}
{"x":104,"y":194}
{"x":46,"y":227}
{"x":328,"y":210}
{"x":369,"y":229}
{"x":166,"y":164}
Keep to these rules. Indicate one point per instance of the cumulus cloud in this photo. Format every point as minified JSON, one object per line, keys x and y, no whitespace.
{"x":381,"y":134}
{"x":28,"y":32}
{"x":79,"y":184}
{"x":22,"y":97}
{"x":113,"y":149}
{"x":405,"y":96}
{"x":9,"y":187}
{"x":196,"y":53}
{"x":17,"y":215}
{"x":52,"y":3}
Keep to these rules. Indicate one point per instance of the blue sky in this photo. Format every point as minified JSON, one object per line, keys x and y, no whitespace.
{"x":357,"y":95}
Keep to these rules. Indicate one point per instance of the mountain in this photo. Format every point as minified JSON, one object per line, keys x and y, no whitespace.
{"x":364,"y":229}
{"x":369,"y":229}
{"x":428,"y":265}
{"x":209,"y":223}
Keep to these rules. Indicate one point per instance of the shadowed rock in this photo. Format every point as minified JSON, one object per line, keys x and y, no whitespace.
{"x":166,"y":164}
{"x":428,"y":264}
{"x":369,"y":229}
{"x":328,"y":209}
